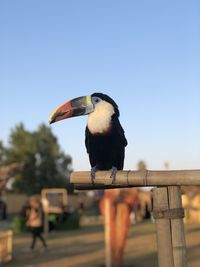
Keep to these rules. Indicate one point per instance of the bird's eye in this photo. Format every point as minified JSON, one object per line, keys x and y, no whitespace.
{"x":96,"y":100}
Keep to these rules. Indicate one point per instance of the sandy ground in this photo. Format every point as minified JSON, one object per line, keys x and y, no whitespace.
{"x":85,"y":248}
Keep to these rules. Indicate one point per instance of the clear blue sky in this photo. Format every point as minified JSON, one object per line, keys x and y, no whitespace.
{"x":144,"y":54}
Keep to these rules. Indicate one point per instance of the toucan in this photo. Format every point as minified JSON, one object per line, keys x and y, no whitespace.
{"x":105,"y":140}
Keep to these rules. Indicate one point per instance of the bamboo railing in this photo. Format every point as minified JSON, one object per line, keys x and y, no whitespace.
{"x":167,"y":205}
{"x":6,"y":246}
{"x":137,"y":178}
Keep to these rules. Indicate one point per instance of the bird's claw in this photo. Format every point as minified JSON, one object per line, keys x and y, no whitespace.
{"x":113,"y":174}
{"x":93,"y":173}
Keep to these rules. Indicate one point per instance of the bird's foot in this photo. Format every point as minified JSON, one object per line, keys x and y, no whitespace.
{"x":113,"y":174}
{"x":93,"y":173}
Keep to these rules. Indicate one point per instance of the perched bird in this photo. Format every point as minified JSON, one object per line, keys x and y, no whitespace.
{"x":104,"y":136}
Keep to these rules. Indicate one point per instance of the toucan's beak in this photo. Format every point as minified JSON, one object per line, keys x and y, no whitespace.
{"x":75,"y":107}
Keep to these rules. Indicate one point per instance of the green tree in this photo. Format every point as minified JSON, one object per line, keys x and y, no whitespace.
{"x":2,"y":153}
{"x":45,"y":165}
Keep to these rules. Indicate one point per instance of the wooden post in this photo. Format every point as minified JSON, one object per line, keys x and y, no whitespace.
{"x":107,"y":233}
{"x":177,"y":228}
{"x":163,"y":227}
{"x":10,"y":245}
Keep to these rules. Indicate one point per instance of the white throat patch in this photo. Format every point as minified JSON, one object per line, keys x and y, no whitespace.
{"x":99,"y":120}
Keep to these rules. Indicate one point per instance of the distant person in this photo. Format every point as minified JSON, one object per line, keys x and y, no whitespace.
{"x":35,"y":222}
{"x":65,"y":213}
{"x":81,"y":209}
{"x":3,"y":208}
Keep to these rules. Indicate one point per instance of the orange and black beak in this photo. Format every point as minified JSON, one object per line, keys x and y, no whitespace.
{"x":75,"y":107}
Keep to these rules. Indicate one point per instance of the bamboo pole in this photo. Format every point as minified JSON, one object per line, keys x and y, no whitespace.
{"x":168,"y":211}
{"x":10,"y":245}
{"x":163,"y":228}
{"x":136,"y":178}
{"x":177,"y":228}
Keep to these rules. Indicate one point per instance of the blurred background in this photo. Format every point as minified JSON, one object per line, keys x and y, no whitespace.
{"x":146,"y":56}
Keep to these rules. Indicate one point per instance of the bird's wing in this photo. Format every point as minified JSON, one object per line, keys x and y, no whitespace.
{"x":119,"y":130}
{"x":87,"y":145}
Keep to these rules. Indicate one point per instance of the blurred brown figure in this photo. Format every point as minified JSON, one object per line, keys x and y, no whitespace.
{"x":6,"y":172}
{"x":35,"y":222}
{"x":120,"y":203}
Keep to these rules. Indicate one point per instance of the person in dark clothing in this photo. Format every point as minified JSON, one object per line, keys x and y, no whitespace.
{"x":3,"y":210}
{"x":65,"y":214}
{"x":35,"y":222}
